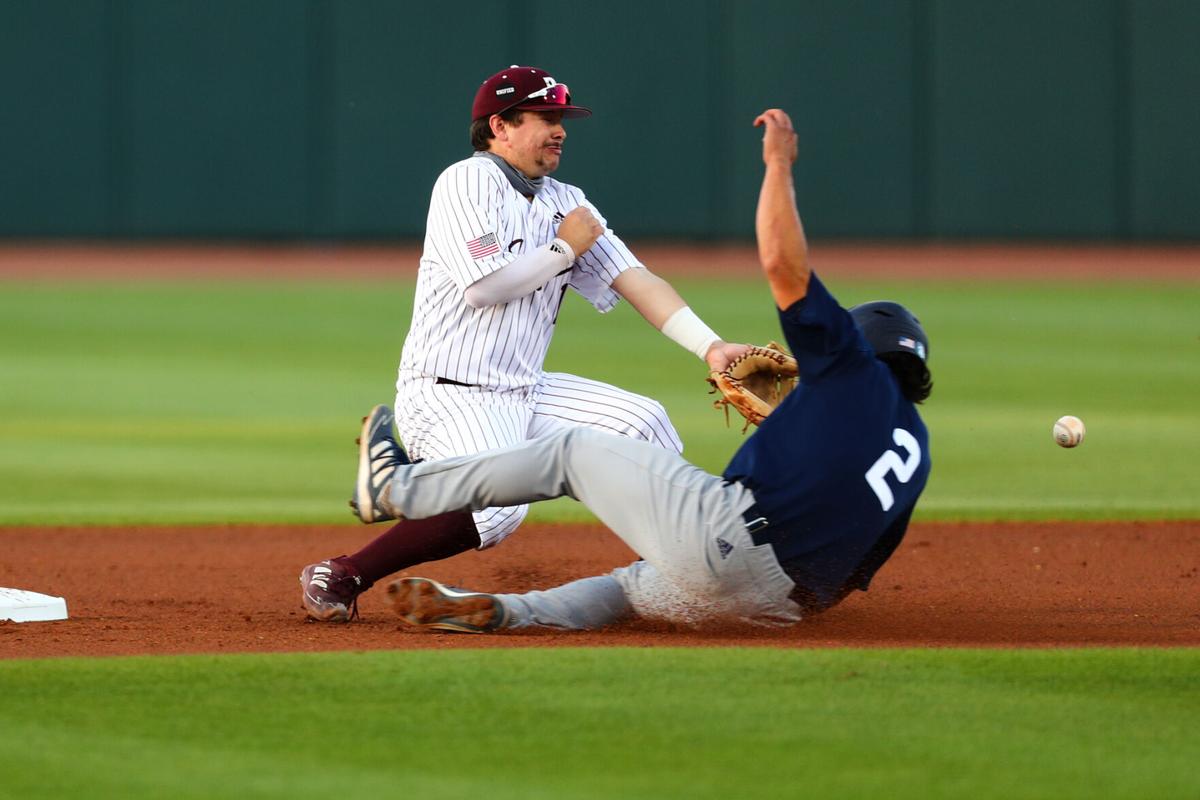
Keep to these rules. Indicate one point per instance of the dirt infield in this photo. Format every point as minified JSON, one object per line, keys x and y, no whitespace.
{"x":235,"y":589}
{"x":938,"y":261}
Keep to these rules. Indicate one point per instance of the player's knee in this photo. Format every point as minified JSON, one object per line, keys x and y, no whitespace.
{"x":497,"y":524}
{"x":659,"y":430}
{"x":574,"y":438}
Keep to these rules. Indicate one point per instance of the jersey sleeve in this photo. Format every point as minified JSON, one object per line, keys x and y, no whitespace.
{"x":595,"y":270}
{"x":820,"y":333}
{"x":465,"y":225}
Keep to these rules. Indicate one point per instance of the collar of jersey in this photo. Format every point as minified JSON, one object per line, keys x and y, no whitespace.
{"x":519,"y":180}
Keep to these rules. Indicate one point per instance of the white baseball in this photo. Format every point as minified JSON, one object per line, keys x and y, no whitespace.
{"x":1069,"y":431}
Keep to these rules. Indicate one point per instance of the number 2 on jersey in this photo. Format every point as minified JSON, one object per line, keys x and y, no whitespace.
{"x":890,"y":461}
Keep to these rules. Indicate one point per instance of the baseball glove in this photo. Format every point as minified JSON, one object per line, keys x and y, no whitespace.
{"x":755,"y":383}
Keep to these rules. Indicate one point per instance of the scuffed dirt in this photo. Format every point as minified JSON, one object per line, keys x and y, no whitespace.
{"x":234,"y":589}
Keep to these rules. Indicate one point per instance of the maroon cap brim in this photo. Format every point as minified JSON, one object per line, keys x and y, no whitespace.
{"x":568,"y":112}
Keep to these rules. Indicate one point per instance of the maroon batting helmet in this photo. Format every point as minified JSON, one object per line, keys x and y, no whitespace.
{"x":527,"y":88}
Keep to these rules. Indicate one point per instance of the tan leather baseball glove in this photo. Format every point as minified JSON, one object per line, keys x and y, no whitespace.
{"x":756,"y":383}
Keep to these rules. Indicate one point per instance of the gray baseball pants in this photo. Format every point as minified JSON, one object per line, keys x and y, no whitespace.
{"x":698,"y":560}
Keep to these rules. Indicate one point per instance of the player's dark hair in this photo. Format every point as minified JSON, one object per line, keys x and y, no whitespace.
{"x":481,"y":129}
{"x":911,"y":373}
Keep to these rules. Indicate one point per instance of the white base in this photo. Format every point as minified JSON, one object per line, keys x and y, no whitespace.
{"x":22,"y":606}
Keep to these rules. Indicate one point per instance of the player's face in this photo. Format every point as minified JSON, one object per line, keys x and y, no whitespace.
{"x":535,"y":145}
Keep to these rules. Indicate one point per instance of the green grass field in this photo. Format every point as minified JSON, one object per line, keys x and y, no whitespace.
{"x":201,"y":402}
{"x":634,"y":723}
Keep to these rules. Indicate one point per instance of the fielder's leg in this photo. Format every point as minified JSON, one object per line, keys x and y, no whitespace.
{"x":568,"y":400}
{"x":440,"y":421}
{"x":330,"y":588}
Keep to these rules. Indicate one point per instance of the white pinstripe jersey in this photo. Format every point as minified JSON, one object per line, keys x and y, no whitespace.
{"x":501,"y":346}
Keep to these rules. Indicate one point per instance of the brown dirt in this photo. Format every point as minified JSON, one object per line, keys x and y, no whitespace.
{"x":937,"y":261}
{"x":235,"y":589}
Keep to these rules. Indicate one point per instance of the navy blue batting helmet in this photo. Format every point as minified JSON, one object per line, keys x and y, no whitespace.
{"x":891,"y":328}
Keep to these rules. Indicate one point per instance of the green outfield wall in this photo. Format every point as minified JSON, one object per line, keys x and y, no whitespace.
{"x":315,"y":119}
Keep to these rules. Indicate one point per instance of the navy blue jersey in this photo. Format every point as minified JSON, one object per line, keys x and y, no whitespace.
{"x":837,"y":468}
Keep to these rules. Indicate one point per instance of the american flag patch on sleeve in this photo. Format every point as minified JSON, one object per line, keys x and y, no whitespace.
{"x":485,"y":245}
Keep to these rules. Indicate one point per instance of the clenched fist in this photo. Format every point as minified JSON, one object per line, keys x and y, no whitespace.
{"x":580,"y":229}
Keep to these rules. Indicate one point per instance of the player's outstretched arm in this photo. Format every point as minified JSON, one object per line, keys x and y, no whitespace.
{"x":662,"y":307}
{"x":782,"y":249}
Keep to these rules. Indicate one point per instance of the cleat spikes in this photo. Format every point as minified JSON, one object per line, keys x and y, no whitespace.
{"x":428,"y":604}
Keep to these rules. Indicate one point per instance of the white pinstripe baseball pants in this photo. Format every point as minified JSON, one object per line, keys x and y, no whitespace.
{"x":438,"y":421}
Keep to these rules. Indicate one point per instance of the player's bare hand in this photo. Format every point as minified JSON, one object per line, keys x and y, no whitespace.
{"x":779,"y":138}
{"x":721,"y":354}
{"x":580,"y":229}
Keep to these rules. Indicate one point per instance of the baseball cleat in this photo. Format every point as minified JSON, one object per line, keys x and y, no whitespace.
{"x":378,"y":456}
{"x":330,"y":590}
{"x":429,"y":604}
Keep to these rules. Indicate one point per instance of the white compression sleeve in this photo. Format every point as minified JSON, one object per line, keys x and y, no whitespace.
{"x":521,"y":276}
{"x":689,"y":331}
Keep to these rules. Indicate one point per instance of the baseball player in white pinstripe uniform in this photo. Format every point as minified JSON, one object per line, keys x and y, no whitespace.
{"x":504,"y":242}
